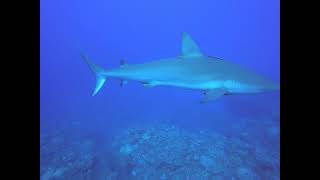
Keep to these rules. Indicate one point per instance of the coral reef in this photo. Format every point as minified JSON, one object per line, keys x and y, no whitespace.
{"x":167,"y":152}
{"x":63,"y":158}
{"x":161,"y":152}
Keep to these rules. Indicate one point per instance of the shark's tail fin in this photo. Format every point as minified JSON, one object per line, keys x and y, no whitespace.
{"x":99,"y":73}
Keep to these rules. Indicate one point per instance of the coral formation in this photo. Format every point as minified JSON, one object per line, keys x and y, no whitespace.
{"x":172,"y":153}
{"x":163,"y":152}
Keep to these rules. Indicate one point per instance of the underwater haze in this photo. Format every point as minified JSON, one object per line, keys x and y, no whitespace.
{"x":134,"y":132}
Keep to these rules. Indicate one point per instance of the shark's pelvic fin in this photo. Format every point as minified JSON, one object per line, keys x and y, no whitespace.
{"x":123,"y":63}
{"x":99,"y":73}
{"x":214,"y":94}
{"x":189,"y":47}
{"x":123,"y":83}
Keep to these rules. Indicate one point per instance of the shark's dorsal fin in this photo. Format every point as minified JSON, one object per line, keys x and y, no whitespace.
{"x":189,"y":46}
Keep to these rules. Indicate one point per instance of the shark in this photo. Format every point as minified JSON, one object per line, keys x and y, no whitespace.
{"x":192,"y":69}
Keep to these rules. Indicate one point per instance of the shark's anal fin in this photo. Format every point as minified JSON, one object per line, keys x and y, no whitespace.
{"x":212,"y":95}
{"x":189,"y":47}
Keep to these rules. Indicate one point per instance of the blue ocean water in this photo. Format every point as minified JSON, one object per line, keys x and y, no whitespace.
{"x":85,"y":137}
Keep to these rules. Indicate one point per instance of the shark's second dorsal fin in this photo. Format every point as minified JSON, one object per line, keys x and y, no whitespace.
{"x":189,"y":47}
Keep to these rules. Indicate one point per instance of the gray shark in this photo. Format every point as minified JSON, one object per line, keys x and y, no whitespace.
{"x":214,"y":76}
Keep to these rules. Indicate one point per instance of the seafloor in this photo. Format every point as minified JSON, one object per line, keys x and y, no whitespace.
{"x":163,"y":151}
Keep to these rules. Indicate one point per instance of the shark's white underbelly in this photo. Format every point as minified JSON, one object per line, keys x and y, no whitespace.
{"x":232,"y":86}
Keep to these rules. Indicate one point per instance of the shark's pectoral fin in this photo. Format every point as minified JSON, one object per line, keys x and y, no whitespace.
{"x":189,"y":47}
{"x":150,"y":84}
{"x":214,"y":94}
